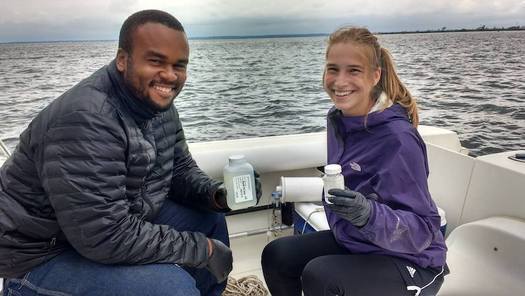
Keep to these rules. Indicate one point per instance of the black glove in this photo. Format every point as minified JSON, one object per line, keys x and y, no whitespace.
{"x":350,"y":205}
{"x":221,"y":202}
{"x":221,"y":260}
{"x":258,"y":186}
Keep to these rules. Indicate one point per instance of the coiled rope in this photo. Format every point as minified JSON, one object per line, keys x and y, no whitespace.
{"x":248,"y":285}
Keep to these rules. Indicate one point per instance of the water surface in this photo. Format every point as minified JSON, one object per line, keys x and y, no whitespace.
{"x":472,"y":83}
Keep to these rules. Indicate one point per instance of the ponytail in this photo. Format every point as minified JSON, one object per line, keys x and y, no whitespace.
{"x":395,"y":89}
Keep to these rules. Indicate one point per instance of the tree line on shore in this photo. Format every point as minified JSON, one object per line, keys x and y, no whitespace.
{"x":445,"y":29}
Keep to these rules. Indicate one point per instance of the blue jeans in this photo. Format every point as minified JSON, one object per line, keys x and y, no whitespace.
{"x":71,"y":274}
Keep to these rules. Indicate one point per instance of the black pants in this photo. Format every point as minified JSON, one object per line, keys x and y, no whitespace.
{"x":317,"y":265}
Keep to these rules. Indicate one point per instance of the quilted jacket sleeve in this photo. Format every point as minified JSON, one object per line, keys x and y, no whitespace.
{"x":83,"y":173}
{"x":190,"y":185}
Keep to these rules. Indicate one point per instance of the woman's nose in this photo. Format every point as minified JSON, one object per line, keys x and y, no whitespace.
{"x":340,"y":79}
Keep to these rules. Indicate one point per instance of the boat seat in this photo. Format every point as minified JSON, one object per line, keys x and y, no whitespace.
{"x":485,"y":257}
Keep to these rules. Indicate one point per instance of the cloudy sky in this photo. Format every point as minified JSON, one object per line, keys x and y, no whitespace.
{"x":43,"y":20}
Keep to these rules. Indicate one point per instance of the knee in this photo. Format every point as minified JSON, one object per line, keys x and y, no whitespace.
{"x":220,"y":219}
{"x":219,"y":228}
{"x":276,"y":254}
{"x":313,"y":271}
{"x":316,"y":277}
{"x":213,"y":219}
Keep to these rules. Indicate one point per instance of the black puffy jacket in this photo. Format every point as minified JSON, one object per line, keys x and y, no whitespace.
{"x":89,"y":172}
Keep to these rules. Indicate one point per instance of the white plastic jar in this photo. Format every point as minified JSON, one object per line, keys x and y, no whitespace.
{"x":332,"y":179}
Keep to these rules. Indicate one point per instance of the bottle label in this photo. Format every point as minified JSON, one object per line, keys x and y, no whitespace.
{"x":242,"y":188}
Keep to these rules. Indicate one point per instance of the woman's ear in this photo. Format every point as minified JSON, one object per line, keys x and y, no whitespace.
{"x":377,"y":75}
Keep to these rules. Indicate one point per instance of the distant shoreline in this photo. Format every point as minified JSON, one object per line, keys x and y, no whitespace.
{"x":481,"y":29}
{"x":514,"y":28}
{"x":259,"y":36}
{"x":443,"y":30}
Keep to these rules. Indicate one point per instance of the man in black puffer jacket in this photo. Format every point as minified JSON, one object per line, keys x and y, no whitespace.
{"x":101,"y":195}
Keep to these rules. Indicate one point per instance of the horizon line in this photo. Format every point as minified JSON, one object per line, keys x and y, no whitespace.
{"x":292,"y":35}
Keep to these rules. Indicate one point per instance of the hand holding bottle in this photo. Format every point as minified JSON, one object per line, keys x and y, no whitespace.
{"x":220,"y":198}
{"x":350,"y":205}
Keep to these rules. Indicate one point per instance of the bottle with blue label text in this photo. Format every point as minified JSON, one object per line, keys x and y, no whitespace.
{"x":239,"y":181}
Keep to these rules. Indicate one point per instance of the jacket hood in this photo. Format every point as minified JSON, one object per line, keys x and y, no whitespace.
{"x":137,"y":106}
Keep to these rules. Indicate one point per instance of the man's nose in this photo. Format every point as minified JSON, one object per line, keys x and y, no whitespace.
{"x":169,"y":74}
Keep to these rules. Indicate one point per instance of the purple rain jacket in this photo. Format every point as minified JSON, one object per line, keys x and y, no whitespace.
{"x":387,"y":158}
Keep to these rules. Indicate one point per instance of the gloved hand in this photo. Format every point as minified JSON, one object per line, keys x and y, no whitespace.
{"x":258,"y":186}
{"x":220,"y":261}
{"x":220,"y":197}
{"x":350,"y":205}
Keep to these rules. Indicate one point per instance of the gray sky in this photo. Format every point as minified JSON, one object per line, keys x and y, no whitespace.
{"x":43,"y":20}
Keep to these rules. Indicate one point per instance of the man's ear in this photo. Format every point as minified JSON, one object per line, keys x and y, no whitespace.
{"x":122,"y":58}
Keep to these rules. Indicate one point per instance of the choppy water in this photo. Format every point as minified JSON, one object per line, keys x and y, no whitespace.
{"x":472,"y":83}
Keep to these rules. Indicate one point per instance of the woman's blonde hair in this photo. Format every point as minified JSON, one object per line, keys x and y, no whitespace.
{"x":378,"y":57}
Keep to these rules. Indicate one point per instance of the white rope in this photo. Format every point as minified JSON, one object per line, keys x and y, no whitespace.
{"x":248,"y":285}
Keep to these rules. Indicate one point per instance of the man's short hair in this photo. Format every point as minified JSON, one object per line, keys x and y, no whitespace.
{"x":125,"y":39}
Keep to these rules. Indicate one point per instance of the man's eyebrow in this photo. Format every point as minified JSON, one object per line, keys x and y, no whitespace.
{"x":152,"y":53}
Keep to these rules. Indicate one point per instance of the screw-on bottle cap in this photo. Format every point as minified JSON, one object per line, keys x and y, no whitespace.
{"x":332,"y":169}
{"x":237,"y":158}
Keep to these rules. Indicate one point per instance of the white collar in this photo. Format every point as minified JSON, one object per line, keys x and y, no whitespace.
{"x":382,"y":103}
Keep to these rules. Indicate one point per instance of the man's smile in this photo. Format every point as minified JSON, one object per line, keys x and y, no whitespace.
{"x":164,"y":90}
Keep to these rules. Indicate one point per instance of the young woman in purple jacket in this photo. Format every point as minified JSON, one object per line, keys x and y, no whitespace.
{"x":384,"y":236}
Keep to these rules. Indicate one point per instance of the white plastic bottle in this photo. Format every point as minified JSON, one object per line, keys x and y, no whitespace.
{"x":332,"y":179}
{"x":239,"y":181}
